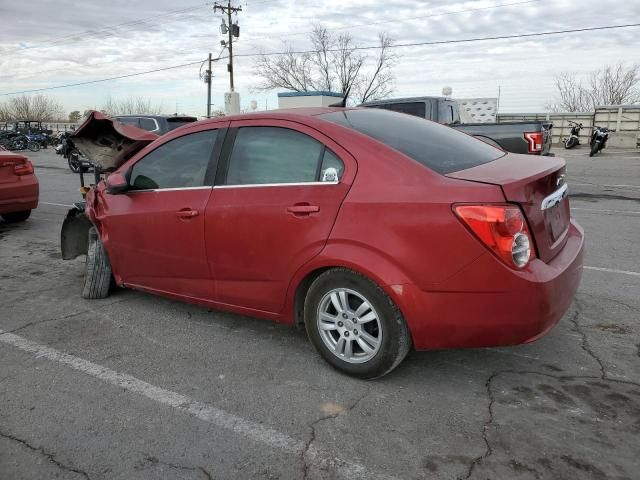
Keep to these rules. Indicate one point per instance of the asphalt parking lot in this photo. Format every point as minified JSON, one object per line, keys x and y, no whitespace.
{"x":140,"y":387}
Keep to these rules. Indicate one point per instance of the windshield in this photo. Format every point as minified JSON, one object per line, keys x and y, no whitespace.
{"x":435,"y":146}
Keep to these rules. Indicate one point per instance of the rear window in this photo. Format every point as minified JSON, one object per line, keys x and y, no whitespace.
{"x":435,"y":146}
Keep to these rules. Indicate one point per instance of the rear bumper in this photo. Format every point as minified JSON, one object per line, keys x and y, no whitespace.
{"x":489,"y":304}
{"x":19,"y":196}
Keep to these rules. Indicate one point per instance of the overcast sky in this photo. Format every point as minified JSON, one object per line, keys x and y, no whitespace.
{"x":48,"y":43}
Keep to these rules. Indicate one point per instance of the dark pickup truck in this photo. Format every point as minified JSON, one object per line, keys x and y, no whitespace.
{"x":519,"y":137}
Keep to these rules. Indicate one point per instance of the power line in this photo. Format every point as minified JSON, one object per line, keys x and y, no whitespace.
{"x":103,"y":79}
{"x":445,"y":42}
{"x":372,"y":47}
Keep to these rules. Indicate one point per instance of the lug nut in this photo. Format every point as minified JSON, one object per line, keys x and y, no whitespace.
{"x":355,"y":320}
{"x":344,"y":315}
{"x":355,"y":332}
{"x":340,"y":324}
{"x":346,"y":334}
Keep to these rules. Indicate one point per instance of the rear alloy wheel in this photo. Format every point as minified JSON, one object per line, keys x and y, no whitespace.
{"x":97,"y":279}
{"x":16,"y":216}
{"x":354,"y":325}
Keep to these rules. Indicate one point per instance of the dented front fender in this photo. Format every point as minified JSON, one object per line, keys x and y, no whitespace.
{"x":74,"y":236}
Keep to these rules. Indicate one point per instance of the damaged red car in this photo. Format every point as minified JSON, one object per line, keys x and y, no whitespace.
{"x":377,"y":231}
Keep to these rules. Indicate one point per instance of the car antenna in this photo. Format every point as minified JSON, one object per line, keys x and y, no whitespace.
{"x":343,"y":102}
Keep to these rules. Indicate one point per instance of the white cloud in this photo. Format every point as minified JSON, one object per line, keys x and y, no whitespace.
{"x":524,"y":68}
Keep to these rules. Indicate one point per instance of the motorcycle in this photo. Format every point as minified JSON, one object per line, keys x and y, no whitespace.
{"x":574,"y":137}
{"x":67,"y":149}
{"x":599,"y":139}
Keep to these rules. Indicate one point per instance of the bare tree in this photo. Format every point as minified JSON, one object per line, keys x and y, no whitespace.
{"x":38,"y":107}
{"x":131,"y":106}
{"x":334,"y":64}
{"x":611,"y":85}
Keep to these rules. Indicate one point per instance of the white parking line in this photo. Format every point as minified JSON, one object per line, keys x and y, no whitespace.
{"x":57,"y":204}
{"x":613,"y":270}
{"x":207,"y":413}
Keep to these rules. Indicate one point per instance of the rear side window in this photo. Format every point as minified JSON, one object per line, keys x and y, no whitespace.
{"x":180,"y":163}
{"x":435,"y":146}
{"x":175,"y":122}
{"x":265,"y":155}
{"x":148,"y":124}
{"x":412,"y":108}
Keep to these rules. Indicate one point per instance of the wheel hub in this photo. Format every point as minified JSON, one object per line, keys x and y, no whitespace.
{"x":349,"y":325}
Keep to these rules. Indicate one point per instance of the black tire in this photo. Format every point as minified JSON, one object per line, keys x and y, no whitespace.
{"x":571,"y":142}
{"x":33,"y":146}
{"x":396,"y":339}
{"x":74,"y":165}
{"x":14,"y":217}
{"x":97,"y":279}
{"x":595,"y":146}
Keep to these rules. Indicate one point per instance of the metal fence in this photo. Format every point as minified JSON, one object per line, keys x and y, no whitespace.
{"x":624,"y":119}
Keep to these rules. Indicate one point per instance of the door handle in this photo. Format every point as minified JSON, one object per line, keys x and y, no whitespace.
{"x":187,"y":213}
{"x":305,"y":209}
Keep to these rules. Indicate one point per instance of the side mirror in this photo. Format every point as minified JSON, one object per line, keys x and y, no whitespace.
{"x":116,"y":183}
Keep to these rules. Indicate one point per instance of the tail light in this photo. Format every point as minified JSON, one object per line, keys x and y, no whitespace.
{"x":25,"y":168}
{"x":502,"y":228}
{"x":535,"y":141}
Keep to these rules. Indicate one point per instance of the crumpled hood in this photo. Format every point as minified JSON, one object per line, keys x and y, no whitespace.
{"x":108,"y":143}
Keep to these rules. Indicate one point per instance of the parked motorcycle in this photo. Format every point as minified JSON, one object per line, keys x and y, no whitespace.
{"x":599,"y":139}
{"x":67,"y":149}
{"x":574,"y":137}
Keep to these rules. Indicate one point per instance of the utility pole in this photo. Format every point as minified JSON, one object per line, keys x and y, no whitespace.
{"x":208,"y":79}
{"x":233,"y":30}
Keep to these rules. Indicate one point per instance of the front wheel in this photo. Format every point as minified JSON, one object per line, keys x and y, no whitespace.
{"x":74,"y":164}
{"x":571,"y":142}
{"x":33,"y":146}
{"x":354,"y":324}
{"x":595,"y":146}
{"x":97,"y":279}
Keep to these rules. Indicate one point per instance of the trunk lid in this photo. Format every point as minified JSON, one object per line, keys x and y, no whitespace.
{"x":8,"y":162}
{"x":538,"y":185}
{"x":108,"y":143}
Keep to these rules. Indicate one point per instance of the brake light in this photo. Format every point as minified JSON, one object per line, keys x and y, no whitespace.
{"x":25,"y":168}
{"x":535,"y":141}
{"x":502,"y":228}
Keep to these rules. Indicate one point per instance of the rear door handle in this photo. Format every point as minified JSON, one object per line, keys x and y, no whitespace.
{"x":303,"y":209}
{"x":187,"y":213}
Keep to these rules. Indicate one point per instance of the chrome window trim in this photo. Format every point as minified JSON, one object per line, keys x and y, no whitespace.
{"x":169,"y":189}
{"x":555,"y":198}
{"x":293,"y":184}
{"x":157,"y":129}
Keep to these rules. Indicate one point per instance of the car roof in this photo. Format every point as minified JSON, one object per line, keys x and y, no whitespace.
{"x":279,"y":114}
{"x":136,"y":115}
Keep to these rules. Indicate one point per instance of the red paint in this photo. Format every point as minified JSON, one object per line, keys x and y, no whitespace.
{"x":18,"y":183}
{"x":247,"y":250}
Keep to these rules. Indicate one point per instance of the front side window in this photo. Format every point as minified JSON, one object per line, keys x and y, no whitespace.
{"x":268,"y":155}
{"x":180,"y":163}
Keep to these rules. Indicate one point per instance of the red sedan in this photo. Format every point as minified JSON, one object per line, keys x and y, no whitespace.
{"x":18,"y":187}
{"x":376,"y":230}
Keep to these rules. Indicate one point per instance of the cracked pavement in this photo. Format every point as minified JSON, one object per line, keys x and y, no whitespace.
{"x":564,"y":407}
